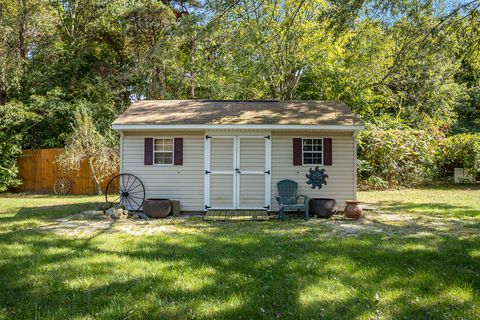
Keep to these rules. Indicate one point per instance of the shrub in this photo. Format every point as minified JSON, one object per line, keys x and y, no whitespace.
{"x":459,"y":151}
{"x":395,"y":158}
{"x":86,"y":143}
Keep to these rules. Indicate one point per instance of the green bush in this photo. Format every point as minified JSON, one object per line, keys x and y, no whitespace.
{"x":459,"y":151}
{"x":395,"y":158}
{"x":13,"y":116}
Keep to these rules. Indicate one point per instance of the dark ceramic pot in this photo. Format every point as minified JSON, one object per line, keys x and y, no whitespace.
{"x":322,"y":207}
{"x":157,"y":208}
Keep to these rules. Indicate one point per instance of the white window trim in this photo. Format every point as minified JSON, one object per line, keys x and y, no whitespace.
{"x":323,"y":153}
{"x":173,"y":152}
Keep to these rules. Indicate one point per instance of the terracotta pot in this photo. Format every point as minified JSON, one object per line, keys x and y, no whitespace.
{"x":353,"y":210}
{"x":157,"y":208}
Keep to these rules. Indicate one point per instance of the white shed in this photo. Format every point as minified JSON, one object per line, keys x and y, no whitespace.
{"x":231,"y":154}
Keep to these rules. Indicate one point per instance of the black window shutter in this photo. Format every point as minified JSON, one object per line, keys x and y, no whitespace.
{"x":148,"y":152}
{"x":297,"y":151}
{"x":327,"y":151}
{"x":178,"y":151}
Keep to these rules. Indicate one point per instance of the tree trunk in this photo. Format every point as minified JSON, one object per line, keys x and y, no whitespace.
{"x":22,"y":30}
{"x":192,"y":70}
{"x":3,"y":94}
{"x":98,"y":190}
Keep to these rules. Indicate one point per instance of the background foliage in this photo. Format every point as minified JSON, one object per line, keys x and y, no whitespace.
{"x":410,"y":64}
{"x":460,"y":151}
{"x":396,"y":157}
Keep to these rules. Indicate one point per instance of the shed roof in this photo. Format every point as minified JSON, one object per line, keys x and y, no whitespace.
{"x":235,"y":112}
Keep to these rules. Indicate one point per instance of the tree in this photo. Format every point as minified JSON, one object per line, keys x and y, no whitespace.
{"x":13,"y":117}
{"x":86,"y":143}
{"x":417,"y":61}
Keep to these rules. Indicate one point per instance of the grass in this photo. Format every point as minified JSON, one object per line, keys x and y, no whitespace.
{"x":444,"y":201}
{"x":241,"y":270}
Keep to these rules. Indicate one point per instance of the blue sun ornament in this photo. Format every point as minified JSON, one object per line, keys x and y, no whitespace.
{"x":317,"y":177}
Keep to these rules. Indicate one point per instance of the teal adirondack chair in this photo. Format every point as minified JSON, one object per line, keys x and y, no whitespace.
{"x":288,"y":199}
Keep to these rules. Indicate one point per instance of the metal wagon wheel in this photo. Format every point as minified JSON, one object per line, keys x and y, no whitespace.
{"x":127,"y":190}
{"x":62,"y":185}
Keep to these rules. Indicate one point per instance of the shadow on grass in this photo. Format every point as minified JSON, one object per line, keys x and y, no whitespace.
{"x":238,"y":271}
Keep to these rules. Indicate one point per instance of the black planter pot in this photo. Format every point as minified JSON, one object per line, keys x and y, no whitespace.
{"x":322,"y":207}
{"x":157,"y":208}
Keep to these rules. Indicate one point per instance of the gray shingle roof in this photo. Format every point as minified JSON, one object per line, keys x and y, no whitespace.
{"x":234,"y":112}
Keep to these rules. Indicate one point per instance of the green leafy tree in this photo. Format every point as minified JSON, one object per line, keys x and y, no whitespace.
{"x":13,"y":117}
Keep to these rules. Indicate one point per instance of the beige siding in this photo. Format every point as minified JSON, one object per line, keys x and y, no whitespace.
{"x":340,"y":182}
{"x":221,"y":154}
{"x":186,"y":183}
{"x":183,"y":183}
{"x":252,"y":162}
{"x":252,"y":154}
{"x":252,"y":191}
{"x":221,"y":190}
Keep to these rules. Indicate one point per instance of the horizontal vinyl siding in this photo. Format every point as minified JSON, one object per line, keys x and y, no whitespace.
{"x":221,"y":190}
{"x":252,"y":154}
{"x":221,"y":154}
{"x":340,"y":182}
{"x":183,"y":183}
{"x":252,"y":191}
{"x":186,"y":183}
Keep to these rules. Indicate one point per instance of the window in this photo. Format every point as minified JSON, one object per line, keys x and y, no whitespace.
{"x":312,"y":151}
{"x":163,"y":151}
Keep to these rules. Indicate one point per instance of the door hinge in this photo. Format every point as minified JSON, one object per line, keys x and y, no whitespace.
{"x":267,"y":137}
{"x":207,"y":172}
{"x":207,"y":137}
{"x":267,"y":172}
{"x":267,"y":207}
{"x":207,"y":207}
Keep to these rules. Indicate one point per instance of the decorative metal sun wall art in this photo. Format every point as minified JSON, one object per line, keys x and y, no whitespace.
{"x":317,"y":177}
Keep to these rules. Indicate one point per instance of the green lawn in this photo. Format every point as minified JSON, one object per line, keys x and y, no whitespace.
{"x":451,"y":201}
{"x":424,"y":267}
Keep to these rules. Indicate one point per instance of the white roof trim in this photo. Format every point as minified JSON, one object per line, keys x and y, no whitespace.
{"x":140,"y":127}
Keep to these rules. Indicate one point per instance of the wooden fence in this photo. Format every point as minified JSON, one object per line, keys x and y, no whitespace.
{"x":38,"y":170}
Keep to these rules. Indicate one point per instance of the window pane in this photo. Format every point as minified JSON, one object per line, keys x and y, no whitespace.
{"x":307,"y":147}
{"x":312,"y":158}
{"x":163,"y":158}
{"x":307,"y":158}
{"x":168,"y":147}
{"x":312,"y":151}
{"x":163,"y":144}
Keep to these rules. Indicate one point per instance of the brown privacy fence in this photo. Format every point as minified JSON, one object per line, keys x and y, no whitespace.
{"x":38,"y":170}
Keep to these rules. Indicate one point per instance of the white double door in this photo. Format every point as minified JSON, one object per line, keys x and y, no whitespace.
{"x":237,"y":172}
